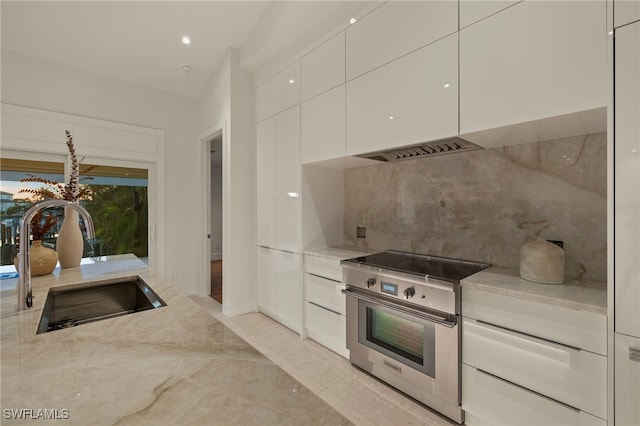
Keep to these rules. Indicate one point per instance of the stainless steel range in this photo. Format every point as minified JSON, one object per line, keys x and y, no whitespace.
{"x":403,"y":323}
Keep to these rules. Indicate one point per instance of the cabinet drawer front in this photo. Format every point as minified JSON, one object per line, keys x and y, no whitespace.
{"x":580,"y":329}
{"x":328,"y":268}
{"x":490,"y":401}
{"x":574,"y":377}
{"x":325,"y":293}
{"x":627,"y":379}
{"x":326,"y":328}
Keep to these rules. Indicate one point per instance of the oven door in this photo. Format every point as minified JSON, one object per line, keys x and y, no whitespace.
{"x":413,"y":350}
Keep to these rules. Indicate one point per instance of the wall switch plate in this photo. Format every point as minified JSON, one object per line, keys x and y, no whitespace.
{"x":361,"y":232}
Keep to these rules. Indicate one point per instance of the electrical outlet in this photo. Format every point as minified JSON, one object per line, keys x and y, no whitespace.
{"x":173,"y":276}
{"x":361,"y":232}
{"x":559,"y":243}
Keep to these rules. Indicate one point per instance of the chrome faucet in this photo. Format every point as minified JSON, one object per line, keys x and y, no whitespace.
{"x":25,"y":296}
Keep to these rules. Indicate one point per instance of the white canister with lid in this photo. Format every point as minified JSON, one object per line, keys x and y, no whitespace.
{"x":542,"y":262}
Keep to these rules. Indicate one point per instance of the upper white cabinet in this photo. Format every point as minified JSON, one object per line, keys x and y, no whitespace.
{"x":266,"y":182}
{"x":534,"y":60}
{"x":625,"y":12}
{"x":279,"y":92}
{"x":323,"y":126}
{"x":288,"y":180}
{"x":279,"y":181}
{"x":395,"y":29}
{"x":324,"y":67}
{"x":627,"y":179}
{"x":474,"y":10}
{"x":412,"y":99}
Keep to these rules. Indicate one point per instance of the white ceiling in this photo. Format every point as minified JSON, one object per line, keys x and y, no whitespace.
{"x":140,"y":41}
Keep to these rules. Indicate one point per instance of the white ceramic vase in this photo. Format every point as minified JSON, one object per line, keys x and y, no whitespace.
{"x":542,"y":262}
{"x":70,"y":244}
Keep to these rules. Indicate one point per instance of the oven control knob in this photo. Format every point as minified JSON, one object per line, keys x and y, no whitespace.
{"x":371,"y":282}
{"x":409,"y":292}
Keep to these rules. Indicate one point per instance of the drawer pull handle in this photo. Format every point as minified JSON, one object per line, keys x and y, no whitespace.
{"x":529,"y":390}
{"x":322,"y":307}
{"x":395,"y":367}
{"x":634,"y":354}
{"x":529,"y":335}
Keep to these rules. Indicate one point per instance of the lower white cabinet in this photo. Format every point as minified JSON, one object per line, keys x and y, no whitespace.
{"x":627,"y":380}
{"x":279,"y":292}
{"x":489,"y":400}
{"x":324,"y":304}
{"x":530,"y":363}
{"x":577,"y":378}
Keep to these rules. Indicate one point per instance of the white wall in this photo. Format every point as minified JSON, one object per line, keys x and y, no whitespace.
{"x":37,"y":83}
{"x":227,"y":103}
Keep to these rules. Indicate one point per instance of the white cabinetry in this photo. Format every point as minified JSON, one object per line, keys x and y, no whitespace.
{"x":627,"y":179}
{"x":397,"y":105}
{"x":534,"y":60}
{"x":324,"y":67}
{"x":266,"y":182}
{"x":395,"y":29}
{"x":280,"y":92}
{"x":531,"y":363}
{"x":325,"y":320}
{"x":627,"y":224}
{"x":323,"y":126}
{"x":266,"y":288}
{"x":475,"y":10}
{"x":627,"y":380}
{"x":279,"y":282}
{"x":625,"y":12}
{"x":288,"y":180}
{"x":279,"y":181}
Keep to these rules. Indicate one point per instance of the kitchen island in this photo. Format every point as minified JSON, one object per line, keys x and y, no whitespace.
{"x":171,"y":365}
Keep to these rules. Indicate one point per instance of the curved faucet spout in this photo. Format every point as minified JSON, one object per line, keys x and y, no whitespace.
{"x":25,"y":297}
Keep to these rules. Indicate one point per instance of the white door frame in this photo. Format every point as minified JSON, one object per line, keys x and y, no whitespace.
{"x":204,"y":288}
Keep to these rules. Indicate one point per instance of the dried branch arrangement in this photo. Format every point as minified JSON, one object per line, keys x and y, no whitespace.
{"x":71,"y":190}
{"x":40,"y":229}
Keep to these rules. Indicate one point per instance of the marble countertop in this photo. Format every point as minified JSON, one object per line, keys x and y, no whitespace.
{"x":581,"y":295}
{"x":340,"y":252}
{"x":172,"y":365}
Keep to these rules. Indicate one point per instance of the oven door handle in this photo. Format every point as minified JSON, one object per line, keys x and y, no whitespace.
{"x":440,"y":320}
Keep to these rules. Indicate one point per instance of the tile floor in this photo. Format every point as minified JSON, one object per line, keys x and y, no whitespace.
{"x":356,"y":395}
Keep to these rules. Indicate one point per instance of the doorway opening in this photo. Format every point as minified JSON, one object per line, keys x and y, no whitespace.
{"x":216,"y":217}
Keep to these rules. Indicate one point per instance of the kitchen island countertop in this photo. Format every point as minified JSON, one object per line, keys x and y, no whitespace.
{"x":172,"y":365}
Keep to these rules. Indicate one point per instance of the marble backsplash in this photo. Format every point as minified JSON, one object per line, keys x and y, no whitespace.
{"x":483,"y":205}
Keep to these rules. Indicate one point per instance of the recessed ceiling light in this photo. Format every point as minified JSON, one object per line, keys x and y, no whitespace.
{"x":391,"y":117}
{"x":187,"y":68}
{"x":352,"y":20}
{"x":292,"y":81}
{"x":447,"y":85}
{"x":186,"y":40}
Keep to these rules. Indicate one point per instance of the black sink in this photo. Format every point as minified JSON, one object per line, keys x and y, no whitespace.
{"x":95,"y":301}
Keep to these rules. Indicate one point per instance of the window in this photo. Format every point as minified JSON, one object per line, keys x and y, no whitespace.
{"x":119,"y":204}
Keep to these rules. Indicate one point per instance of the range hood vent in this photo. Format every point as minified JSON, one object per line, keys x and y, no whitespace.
{"x":427,"y":149}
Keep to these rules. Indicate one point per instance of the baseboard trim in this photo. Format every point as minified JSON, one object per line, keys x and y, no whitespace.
{"x":244,"y":308}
